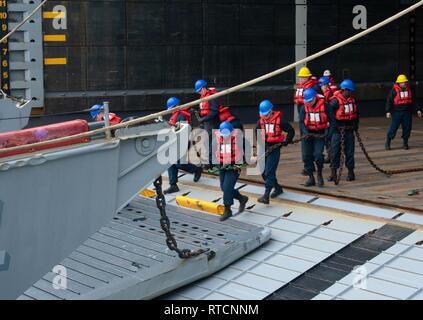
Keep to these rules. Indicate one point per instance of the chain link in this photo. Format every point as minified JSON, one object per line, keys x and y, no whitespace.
{"x":376,"y":167}
{"x":165,"y":225}
{"x":342,"y":155}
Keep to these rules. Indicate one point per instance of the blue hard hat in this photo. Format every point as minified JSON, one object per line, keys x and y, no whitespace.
{"x":324,"y":81}
{"x":95,"y":110}
{"x":265,"y":107}
{"x":173,"y":102}
{"x":226,"y":129}
{"x":348,"y":85}
{"x":200,"y":84}
{"x":309,"y":95}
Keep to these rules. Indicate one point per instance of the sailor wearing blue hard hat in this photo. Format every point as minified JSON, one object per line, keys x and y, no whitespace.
{"x":272,"y":127}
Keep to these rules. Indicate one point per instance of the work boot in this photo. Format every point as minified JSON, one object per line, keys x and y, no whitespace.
{"x":197,"y":174}
{"x":242,"y":203}
{"x":226,"y":214}
{"x":320,"y":181}
{"x":405,"y":145}
{"x":351,"y":175}
{"x":388,"y":144}
{"x":172,"y":189}
{"x":277,"y":192}
{"x":310,"y":182}
{"x":265,"y":198}
{"x":333,"y":175}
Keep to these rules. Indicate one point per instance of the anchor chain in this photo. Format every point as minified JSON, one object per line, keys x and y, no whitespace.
{"x":342,"y":155}
{"x":376,"y":167}
{"x":165,"y":225}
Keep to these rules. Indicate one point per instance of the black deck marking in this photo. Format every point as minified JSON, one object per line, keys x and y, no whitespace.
{"x":337,"y":266}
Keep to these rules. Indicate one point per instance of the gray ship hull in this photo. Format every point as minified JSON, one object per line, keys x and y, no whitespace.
{"x":50,"y":202}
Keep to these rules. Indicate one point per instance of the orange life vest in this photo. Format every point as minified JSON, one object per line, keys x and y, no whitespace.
{"x":175,"y":115}
{"x":227,"y":151}
{"x":347,"y":110}
{"x":403,"y":97}
{"x":301,"y":87}
{"x":272,"y":130}
{"x":205,"y":106}
{"x":225,"y":114}
{"x":316,"y":118}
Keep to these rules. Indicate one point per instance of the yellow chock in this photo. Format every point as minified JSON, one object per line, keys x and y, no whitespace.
{"x":148,"y":193}
{"x":196,"y":204}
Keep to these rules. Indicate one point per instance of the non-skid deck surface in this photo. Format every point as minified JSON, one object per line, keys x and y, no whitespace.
{"x":128,"y":258}
{"x":370,"y":184}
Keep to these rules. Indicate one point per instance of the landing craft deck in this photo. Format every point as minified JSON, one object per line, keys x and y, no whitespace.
{"x":128,"y":258}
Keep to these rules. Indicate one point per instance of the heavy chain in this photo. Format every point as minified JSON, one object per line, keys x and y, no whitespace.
{"x":374,"y":165}
{"x":165,"y":225}
{"x":342,"y":156}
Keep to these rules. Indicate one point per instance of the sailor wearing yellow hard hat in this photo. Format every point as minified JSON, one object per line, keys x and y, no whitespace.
{"x":400,"y":106}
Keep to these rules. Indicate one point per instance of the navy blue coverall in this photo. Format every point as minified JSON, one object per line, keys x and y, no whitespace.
{"x":272,"y":159}
{"x":189,"y":167}
{"x":312,"y":148}
{"x":349,"y":146}
{"x":402,"y":115}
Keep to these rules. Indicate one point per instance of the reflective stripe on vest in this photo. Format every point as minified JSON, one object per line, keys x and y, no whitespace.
{"x":315,"y":117}
{"x":402,"y":97}
{"x":272,"y":128}
{"x":301,"y":87}
{"x":205,"y":106}
{"x":227,"y":149}
{"x":347,"y":110}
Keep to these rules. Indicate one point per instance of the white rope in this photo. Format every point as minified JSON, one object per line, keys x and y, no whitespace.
{"x":227,"y":91}
{"x":23,"y":22}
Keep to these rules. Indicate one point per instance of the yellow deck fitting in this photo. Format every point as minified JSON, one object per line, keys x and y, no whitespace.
{"x":196,"y":204}
{"x":148,"y":193}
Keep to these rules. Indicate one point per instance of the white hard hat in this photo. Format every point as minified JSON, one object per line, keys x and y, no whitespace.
{"x":327,"y":73}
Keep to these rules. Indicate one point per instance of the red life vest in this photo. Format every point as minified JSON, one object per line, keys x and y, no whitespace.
{"x":316,"y":118}
{"x":205,"y":106}
{"x":272,"y":130}
{"x":403,"y":97}
{"x":347,"y":110}
{"x":175,"y":115}
{"x":227,"y":149}
{"x":113,"y":119}
{"x":225,"y":114}
{"x":301,"y":87}
{"x":332,"y":84}
{"x":328,"y":94}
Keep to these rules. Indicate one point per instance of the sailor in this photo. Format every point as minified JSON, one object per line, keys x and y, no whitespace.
{"x":328,"y":92}
{"x":305,"y":81}
{"x":332,"y":82}
{"x":315,"y":119}
{"x":209,"y":112}
{"x":229,"y":153}
{"x":326,"y":88}
{"x":273,"y":128}
{"x":97,"y":113}
{"x":225,"y":115}
{"x":400,"y":107}
{"x":176,"y":118}
{"x":346,"y":114}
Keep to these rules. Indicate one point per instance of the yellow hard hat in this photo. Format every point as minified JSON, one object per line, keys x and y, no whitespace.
{"x":402,"y":78}
{"x":304,"y":72}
